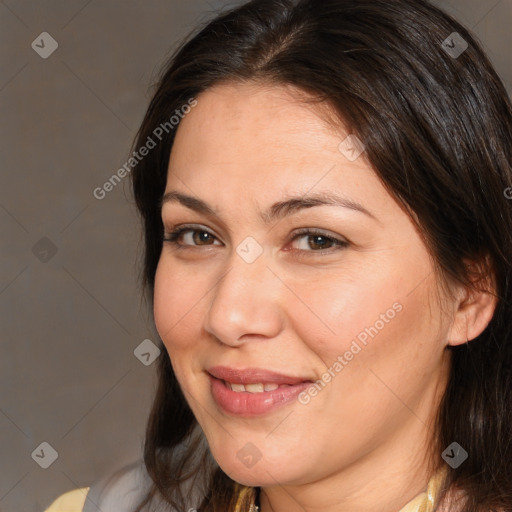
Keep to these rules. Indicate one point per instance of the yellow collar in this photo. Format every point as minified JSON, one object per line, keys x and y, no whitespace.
{"x":427,"y":500}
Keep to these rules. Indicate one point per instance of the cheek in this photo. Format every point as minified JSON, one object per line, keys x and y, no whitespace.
{"x":390,"y":349}
{"x":377,"y":313}
{"x":345,"y":308}
{"x":177,"y":303}
{"x":178,"y":299}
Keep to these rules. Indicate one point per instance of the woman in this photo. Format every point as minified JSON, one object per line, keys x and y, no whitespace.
{"x":328,"y":253}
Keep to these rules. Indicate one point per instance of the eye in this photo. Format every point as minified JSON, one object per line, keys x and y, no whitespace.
{"x":313,"y":240}
{"x":305,"y":240}
{"x":191,"y":236}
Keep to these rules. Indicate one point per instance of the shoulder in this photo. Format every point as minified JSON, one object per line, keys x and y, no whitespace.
{"x":127,"y":488}
{"x":124,"y":491}
{"x":72,"y":501}
{"x":118,"y":492}
{"x":121,"y":491}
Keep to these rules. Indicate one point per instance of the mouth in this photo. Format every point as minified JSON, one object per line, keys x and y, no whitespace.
{"x":253,"y":391}
{"x":259,"y":387}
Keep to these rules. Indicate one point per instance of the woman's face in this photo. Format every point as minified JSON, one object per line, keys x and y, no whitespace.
{"x":296,"y":266}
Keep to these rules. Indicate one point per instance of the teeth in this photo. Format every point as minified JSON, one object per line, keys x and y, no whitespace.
{"x":252,"y":388}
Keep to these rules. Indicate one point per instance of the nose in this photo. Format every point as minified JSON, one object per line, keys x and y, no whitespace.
{"x":245,"y":303}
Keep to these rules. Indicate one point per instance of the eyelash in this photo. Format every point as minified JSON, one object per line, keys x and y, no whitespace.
{"x":173,"y":237}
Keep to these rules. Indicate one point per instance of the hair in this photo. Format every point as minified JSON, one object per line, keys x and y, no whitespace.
{"x":438,"y":134}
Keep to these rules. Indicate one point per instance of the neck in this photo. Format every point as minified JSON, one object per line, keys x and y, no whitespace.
{"x":386,"y":491}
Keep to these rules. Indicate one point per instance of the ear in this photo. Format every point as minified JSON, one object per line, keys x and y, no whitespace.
{"x":475,"y":306}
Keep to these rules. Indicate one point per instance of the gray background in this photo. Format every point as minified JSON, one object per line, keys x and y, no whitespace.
{"x":70,"y":321}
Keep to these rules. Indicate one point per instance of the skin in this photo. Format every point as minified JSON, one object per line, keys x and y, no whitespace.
{"x":364,"y":441}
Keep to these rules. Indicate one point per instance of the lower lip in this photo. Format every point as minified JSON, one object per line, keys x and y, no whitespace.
{"x":246,"y":404}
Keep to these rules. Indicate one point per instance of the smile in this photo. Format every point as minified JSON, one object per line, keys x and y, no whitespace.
{"x":254,"y":391}
{"x":253,"y":388}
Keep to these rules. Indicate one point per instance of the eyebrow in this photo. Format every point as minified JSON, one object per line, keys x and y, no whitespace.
{"x":278,"y":210}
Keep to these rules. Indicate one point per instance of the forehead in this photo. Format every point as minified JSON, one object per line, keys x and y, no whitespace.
{"x":260,"y":144}
{"x":258,"y":127}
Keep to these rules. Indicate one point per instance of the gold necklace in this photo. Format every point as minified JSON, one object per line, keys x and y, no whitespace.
{"x":246,"y":501}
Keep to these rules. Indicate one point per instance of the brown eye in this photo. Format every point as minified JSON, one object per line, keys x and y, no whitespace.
{"x":311,"y":241}
{"x":320,"y":242}
{"x":189,"y":237}
{"x":202,"y":237}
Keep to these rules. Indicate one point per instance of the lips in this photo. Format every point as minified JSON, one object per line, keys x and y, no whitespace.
{"x":253,"y":391}
{"x":253,"y":376}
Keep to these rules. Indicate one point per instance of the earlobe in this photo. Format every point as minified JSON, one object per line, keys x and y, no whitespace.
{"x":474,"y":312}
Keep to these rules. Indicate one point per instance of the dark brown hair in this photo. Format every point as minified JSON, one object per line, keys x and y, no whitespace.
{"x":438,"y":133}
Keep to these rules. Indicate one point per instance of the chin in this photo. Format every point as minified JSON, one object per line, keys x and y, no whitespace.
{"x":263,"y":473}
{"x":261,"y":477}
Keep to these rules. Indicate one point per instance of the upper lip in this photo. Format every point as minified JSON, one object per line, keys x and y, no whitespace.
{"x":253,"y":376}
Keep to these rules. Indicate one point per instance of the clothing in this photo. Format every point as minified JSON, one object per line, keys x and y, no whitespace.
{"x":127,"y":491}
{"x":72,"y":501}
